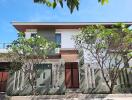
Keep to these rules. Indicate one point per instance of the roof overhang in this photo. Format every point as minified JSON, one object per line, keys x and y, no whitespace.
{"x":22,"y":26}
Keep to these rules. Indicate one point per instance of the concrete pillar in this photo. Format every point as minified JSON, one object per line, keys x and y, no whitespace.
{"x":23,"y":77}
{"x":14,"y":81}
{"x":93,"y":78}
{"x":53,"y":75}
{"x":86,"y":75}
{"x":89,"y":77}
{"x":58,"y":74}
{"x":18,"y":80}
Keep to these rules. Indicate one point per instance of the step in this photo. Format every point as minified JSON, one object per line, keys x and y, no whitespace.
{"x":3,"y":96}
{"x":73,"y":91}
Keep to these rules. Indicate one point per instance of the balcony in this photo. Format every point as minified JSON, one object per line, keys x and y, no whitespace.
{"x":3,"y":47}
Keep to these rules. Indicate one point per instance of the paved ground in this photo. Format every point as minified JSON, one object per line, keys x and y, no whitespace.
{"x":76,"y":97}
{"x":2,"y":96}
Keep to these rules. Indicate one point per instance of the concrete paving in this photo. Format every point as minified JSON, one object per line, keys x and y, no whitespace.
{"x":76,"y":97}
{"x":2,"y":96}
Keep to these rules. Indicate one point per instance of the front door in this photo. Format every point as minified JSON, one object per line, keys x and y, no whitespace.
{"x":3,"y":81}
{"x":71,"y":75}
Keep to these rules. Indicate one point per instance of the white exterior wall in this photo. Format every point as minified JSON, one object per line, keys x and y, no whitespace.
{"x":66,"y":37}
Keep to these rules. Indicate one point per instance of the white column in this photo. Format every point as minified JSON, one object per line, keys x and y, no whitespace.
{"x":53,"y":74}
{"x":118,"y":81}
{"x":86,"y":75}
{"x":58,"y":73}
{"x":23,"y":76}
{"x":31,"y":70}
{"x":125,"y":77}
{"x":89,"y":76}
{"x":14,"y":81}
{"x":18,"y":80}
{"x":93,"y":78}
{"x":121,"y":77}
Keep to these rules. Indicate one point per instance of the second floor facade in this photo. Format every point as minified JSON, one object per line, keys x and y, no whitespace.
{"x":60,"y":33}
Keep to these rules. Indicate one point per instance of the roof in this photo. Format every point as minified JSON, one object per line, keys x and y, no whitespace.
{"x":22,"y":26}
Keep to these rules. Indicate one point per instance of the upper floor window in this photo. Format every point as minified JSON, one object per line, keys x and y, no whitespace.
{"x":30,"y":33}
{"x":58,"y":39}
{"x":33,"y":34}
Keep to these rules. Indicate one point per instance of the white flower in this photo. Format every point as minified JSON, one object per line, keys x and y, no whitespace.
{"x":38,"y":36}
{"x":41,"y":48}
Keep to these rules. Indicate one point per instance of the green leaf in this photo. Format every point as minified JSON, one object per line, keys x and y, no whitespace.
{"x":61,"y":3}
{"x":103,"y":1}
{"x":54,"y":5}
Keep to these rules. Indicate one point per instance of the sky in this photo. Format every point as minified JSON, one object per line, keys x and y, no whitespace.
{"x":89,"y":11}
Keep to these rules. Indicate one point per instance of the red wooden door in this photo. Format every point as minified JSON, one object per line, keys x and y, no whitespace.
{"x":3,"y":81}
{"x":71,"y":75}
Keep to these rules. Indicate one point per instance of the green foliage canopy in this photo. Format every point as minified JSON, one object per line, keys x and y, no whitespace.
{"x":23,"y":49}
{"x":116,"y":37}
{"x":34,"y":46}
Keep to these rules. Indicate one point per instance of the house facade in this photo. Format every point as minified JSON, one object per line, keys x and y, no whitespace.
{"x":64,"y":71}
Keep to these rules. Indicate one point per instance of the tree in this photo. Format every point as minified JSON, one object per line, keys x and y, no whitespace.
{"x":125,"y":34}
{"x":25,"y":54}
{"x":71,"y":4}
{"x":106,"y":46}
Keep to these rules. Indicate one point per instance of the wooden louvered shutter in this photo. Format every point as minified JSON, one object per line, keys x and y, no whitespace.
{"x":71,"y":75}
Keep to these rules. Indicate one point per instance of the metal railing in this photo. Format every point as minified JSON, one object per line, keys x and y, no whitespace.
{"x":4,"y":45}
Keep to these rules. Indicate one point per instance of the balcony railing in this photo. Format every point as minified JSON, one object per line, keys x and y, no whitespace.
{"x":4,"y":45}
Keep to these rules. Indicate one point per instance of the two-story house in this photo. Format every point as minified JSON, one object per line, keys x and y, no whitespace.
{"x":62,"y":72}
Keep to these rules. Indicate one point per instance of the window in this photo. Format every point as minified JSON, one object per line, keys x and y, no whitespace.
{"x":44,"y":75}
{"x":23,"y":35}
{"x":58,"y":40}
{"x":33,"y":34}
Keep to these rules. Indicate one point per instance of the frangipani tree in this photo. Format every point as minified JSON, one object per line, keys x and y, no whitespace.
{"x":71,"y":4}
{"x":30,"y":52}
{"x":107,"y":47}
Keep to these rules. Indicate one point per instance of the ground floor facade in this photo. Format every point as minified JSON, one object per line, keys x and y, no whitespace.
{"x":59,"y":79}
{"x":59,"y":76}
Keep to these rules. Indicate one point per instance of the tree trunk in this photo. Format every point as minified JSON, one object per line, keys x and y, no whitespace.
{"x":31,"y":82}
{"x":32,"y":90}
{"x":111,"y":89}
